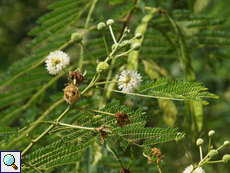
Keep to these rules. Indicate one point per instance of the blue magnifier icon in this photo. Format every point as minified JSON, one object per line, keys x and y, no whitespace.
{"x":9,"y":160}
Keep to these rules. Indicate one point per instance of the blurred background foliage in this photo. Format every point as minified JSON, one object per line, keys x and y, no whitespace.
{"x":18,"y":18}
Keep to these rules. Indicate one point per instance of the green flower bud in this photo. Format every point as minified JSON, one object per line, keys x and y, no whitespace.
{"x":138,"y":36}
{"x":102,"y":67}
{"x":101,"y":26}
{"x":211,"y":133}
{"x":226,"y":158}
{"x":136,"y":46}
{"x":213,"y":154}
{"x":76,"y":37}
{"x":126,"y":31}
{"x":110,"y":22}
{"x":226,"y":143}
{"x":179,"y":138}
{"x":199,"y":142}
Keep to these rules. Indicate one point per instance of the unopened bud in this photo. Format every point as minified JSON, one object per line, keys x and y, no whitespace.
{"x":136,"y":46}
{"x":76,"y":37}
{"x":102,"y":67}
{"x":226,"y":158}
{"x":211,"y":133}
{"x":138,"y":36}
{"x":110,"y":22}
{"x":226,"y":143}
{"x":199,"y":142}
{"x":213,"y":154}
{"x":101,"y":26}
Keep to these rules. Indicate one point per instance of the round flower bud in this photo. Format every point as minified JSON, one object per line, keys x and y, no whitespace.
{"x":213,"y":154}
{"x":211,"y":133}
{"x":199,"y":142}
{"x":110,"y":22}
{"x":138,"y":36}
{"x":226,"y":143}
{"x":76,"y":37}
{"x":101,"y":26}
{"x":226,"y":158}
{"x":102,"y":67}
{"x":136,"y":46}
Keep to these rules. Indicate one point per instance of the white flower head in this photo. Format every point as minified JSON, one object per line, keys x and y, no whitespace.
{"x":130,"y":80}
{"x":189,"y":169}
{"x":56,"y":61}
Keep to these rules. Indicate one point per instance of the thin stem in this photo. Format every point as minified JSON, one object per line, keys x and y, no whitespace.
{"x":90,"y":85}
{"x":209,"y":144}
{"x":111,"y":31}
{"x":46,"y":131}
{"x":106,"y":46}
{"x":159,"y":168}
{"x":77,"y":127}
{"x":100,"y":83}
{"x":220,"y":147}
{"x":86,"y":26}
{"x":201,"y":155}
{"x":97,"y":111}
{"x":123,"y":53}
{"x":142,"y":95}
{"x":187,"y":153}
{"x":88,"y":52}
{"x":216,"y":161}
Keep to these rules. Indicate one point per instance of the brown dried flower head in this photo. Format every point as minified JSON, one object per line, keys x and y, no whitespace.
{"x":77,"y":76}
{"x":121,"y":118}
{"x":102,"y":133}
{"x":71,"y":93}
{"x":156,"y":153}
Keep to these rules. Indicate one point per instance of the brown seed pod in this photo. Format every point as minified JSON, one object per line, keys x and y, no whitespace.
{"x":121,"y":118}
{"x":71,"y":93}
{"x":102,"y":133}
{"x":77,"y":76}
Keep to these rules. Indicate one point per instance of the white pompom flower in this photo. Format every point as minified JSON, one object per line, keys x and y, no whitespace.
{"x":130,"y":80}
{"x":189,"y":169}
{"x":56,"y":61}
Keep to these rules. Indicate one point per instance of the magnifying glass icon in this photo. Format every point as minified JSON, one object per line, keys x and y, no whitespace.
{"x":9,"y":160}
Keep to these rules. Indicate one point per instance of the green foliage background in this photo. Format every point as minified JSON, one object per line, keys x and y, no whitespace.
{"x":204,"y":25}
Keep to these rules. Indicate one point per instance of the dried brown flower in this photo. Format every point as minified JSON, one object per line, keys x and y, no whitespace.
{"x":102,"y":133}
{"x":77,"y":76}
{"x":71,"y":93}
{"x":157,"y":153}
{"x":121,"y":118}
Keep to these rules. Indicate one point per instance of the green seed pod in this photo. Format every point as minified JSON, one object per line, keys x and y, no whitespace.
{"x":226,"y":143}
{"x":101,"y":26}
{"x":138,"y":36}
{"x":213,"y":154}
{"x":136,"y":46}
{"x":199,"y":142}
{"x":226,"y":158}
{"x":97,"y":117}
{"x":211,"y":133}
{"x":102,"y":67}
{"x":110,"y":22}
{"x":76,"y":37}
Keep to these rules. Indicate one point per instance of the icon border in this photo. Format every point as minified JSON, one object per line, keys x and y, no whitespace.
{"x":17,"y":165}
